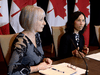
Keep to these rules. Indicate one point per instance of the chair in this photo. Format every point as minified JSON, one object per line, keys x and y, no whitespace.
{"x":97,"y":30}
{"x":5,"y":45}
{"x":49,"y":51}
{"x":57,"y":33}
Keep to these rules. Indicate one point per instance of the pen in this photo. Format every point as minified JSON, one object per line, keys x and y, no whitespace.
{"x":58,"y":70}
{"x":73,"y":73}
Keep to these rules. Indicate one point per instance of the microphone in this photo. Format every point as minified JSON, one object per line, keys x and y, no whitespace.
{"x":86,"y":73}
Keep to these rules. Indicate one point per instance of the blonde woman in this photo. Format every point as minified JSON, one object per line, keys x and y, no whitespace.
{"x":27,"y":54}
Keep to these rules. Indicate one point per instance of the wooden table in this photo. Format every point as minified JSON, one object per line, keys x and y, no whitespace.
{"x":93,"y":65}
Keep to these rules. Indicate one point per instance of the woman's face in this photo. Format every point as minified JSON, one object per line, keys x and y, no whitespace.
{"x":39,"y":22}
{"x":79,"y":23}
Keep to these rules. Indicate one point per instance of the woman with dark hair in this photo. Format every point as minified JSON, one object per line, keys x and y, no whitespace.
{"x":73,"y":40}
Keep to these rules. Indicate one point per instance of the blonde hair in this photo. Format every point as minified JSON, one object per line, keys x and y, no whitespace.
{"x":27,"y":15}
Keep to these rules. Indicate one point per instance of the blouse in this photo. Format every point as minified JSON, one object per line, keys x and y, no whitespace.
{"x":24,"y":55}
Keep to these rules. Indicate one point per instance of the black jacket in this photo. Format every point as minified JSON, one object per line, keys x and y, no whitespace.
{"x":66,"y":46}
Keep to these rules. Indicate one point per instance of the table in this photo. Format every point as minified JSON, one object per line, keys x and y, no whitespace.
{"x":93,"y":65}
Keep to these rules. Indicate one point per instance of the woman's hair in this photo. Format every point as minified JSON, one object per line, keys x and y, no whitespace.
{"x":70,"y":23}
{"x":27,"y":16}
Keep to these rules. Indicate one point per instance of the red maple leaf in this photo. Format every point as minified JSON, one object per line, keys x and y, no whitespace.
{"x":82,"y":5}
{"x":0,"y":15}
{"x":58,"y":6}
{"x":23,"y":3}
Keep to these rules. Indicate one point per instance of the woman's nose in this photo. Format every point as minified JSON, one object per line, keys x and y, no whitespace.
{"x":81,"y":22}
{"x":44,"y":23}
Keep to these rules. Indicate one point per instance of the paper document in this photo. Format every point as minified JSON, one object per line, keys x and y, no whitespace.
{"x":63,"y":69}
{"x":95,"y":56}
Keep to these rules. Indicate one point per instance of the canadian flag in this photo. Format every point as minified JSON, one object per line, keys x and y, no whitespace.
{"x":84,"y":6}
{"x":16,"y":7}
{"x":4,"y":18}
{"x":57,"y":13}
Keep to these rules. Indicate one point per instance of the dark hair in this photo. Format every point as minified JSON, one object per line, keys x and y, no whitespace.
{"x":70,"y":23}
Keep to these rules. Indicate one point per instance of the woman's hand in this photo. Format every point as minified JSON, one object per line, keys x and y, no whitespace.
{"x":48,"y":61}
{"x":75,"y":52}
{"x":85,"y":50}
{"x":78,"y":53}
{"x":43,"y":66}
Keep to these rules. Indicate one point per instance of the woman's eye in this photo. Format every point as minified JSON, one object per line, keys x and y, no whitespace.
{"x":78,"y":20}
{"x":41,"y":19}
{"x":83,"y":20}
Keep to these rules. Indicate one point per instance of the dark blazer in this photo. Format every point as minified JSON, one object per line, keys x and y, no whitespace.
{"x":66,"y":46}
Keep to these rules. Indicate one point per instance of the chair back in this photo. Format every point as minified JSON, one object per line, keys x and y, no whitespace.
{"x":5,"y":45}
{"x":97,"y":30}
{"x":57,"y":33}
